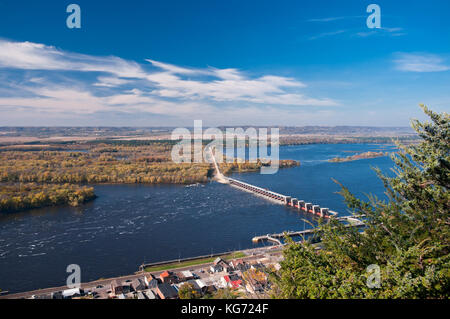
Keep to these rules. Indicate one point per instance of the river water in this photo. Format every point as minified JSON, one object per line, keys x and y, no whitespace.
{"x":131,"y":224}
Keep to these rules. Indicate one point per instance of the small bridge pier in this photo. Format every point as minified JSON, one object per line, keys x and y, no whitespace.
{"x":276,"y":238}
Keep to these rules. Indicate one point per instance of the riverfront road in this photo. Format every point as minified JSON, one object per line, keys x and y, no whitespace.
{"x":251,"y":255}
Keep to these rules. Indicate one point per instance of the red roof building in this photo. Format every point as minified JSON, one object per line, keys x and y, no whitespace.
{"x":233,"y":281}
{"x":168,"y":277}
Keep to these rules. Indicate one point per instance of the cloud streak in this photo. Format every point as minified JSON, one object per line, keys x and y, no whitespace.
{"x":331,"y":19}
{"x":74,"y":83}
{"x":420,"y":62}
{"x":36,"y":56}
{"x":326,"y":34}
{"x":384,"y":31}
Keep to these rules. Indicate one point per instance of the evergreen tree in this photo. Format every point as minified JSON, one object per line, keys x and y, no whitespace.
{"x":406,"y":237}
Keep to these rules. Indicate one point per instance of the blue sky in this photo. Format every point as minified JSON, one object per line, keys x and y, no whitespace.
{"x":166,"y":63}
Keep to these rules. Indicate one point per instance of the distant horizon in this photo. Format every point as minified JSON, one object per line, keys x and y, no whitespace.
{"x":152,"y":64}
{"x":230,"y":126}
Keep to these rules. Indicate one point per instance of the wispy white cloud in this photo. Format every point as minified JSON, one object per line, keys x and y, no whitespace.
{"x":387,"y":32}
{"x":36,"y":56}
{"x":330,"y":19}
{"x":109,"y":81}
{"x":229,"y":85}
{"x":384,"y":31}
{"x":176,"y":69}
{"x":327,"y":34}
{"x":101,"y":84}
{"x":364,"y":34}
{"x":75,"y":101}
{"x":420,"y":62}
{"x":392,"y":30}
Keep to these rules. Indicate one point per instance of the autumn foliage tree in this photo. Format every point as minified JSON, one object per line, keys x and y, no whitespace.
{"x":19,"y":197}
{"x":188,"y":291}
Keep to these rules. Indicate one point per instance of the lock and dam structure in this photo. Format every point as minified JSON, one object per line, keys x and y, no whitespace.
{"x":289,"y":201}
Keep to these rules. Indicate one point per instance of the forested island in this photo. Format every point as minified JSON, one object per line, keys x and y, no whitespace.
{"x":40,"y":178}
{"x":19,"y":197}
{"x":358,"y":157}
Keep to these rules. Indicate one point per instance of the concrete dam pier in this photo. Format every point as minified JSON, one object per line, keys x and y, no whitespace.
{"x":301,"y":205}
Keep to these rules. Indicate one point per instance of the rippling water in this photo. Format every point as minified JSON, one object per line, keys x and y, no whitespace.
{"x":130,"y":224}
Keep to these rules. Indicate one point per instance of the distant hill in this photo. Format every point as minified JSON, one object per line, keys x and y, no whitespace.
{"x":142,"y":131}
{"x":27,"y":136}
